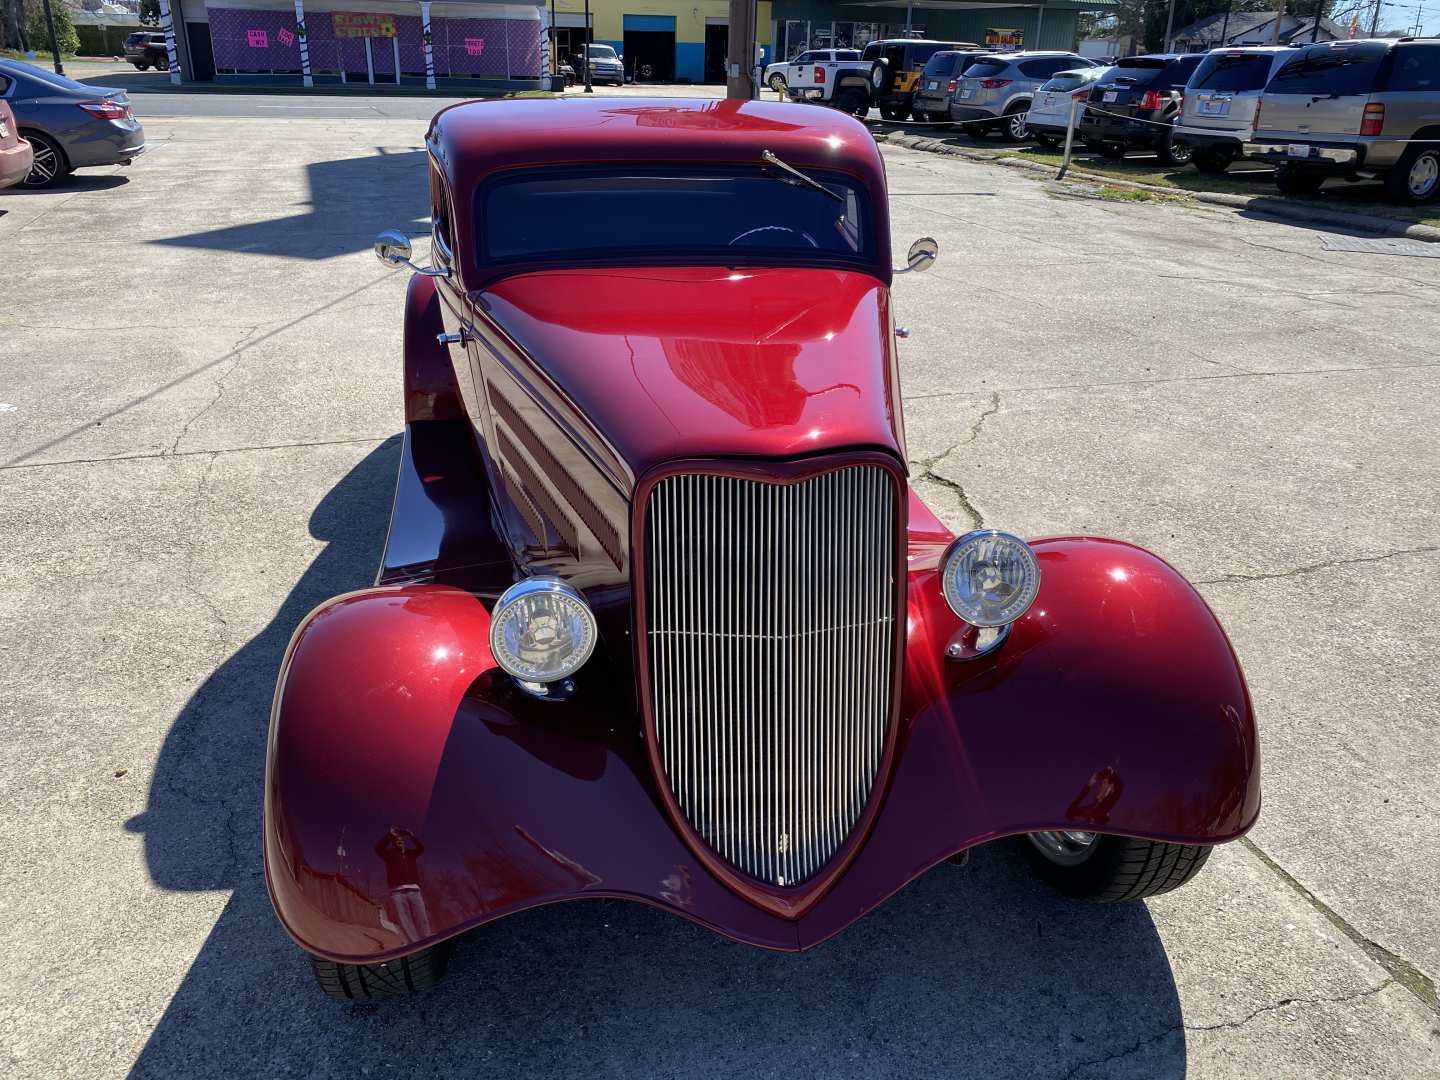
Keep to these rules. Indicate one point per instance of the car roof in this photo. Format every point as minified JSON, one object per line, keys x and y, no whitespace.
{"x":475,"y":138}
{"x":919,"y":41}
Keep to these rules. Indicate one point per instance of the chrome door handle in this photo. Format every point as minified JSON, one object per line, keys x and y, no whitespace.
{"x":451,"y":339}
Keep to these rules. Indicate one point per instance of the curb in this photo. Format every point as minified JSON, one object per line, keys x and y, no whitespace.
{"x":1268,"y":205}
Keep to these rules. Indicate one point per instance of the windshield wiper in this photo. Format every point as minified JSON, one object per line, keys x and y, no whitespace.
{"x":771,"y":159}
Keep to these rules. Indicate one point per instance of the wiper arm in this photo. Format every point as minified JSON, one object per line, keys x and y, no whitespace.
{"x":771,"y":159}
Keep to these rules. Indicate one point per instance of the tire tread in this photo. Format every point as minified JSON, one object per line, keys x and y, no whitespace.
{"x":360,"y":982}
{"x":1125,"y":868}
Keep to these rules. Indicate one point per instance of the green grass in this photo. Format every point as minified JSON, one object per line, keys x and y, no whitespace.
{"x":1362,"y":198}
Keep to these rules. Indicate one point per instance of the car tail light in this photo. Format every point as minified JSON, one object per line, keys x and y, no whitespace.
{"x":950,"y":86}
{"x":994,"y":84}
{"x":1373,"y":120}
{"x":819,"y":74}
{"x":106,"y":110}
{"x":1255,"y":123}
{"x":1152,"y":100}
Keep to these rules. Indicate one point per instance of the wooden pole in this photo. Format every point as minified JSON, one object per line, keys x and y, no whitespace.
{"x":740,"y":51}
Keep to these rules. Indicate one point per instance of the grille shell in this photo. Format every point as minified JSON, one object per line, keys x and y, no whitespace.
{"x":770,"y":648}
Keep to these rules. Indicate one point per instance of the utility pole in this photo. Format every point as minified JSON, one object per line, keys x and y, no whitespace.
{"x":585,"y":60}
{"x":1225,"y":26}
{"x":1375,"y":20}
{"x":740,"y":51}
{"x":54,"y":45}
{"x":1169,"y":23}
{"x":1275,"y":30}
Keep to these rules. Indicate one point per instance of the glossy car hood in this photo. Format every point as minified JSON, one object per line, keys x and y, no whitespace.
{"x":701,"y":362}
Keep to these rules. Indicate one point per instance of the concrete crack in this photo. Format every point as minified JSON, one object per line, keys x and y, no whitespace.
{"x":1284,"y":1003}
{"x":195,"y":453}
{"x":1401,"y":971}
{"x":1315,"y":567}
{"x":235,"y":354}
{"x":927,"y":471}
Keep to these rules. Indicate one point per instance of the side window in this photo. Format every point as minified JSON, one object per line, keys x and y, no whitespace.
{"x":4,"y":84}
{"x":440,"y":216}
{"x":872,"y":52}
{"x":1043,"y":69}
{"x":804,"y":58}
{"x":1417,"y":69}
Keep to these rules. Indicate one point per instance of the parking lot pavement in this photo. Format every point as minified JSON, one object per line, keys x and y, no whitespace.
{"x":200,"y":378}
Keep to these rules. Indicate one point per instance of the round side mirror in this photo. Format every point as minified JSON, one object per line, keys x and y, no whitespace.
{"x":923,"y":253}
{"x":392,"y":247}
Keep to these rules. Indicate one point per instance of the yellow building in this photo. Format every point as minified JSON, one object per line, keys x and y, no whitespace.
{"x":661,"y":40}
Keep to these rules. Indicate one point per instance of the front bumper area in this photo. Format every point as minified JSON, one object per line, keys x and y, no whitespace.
{"x":392,"y":723}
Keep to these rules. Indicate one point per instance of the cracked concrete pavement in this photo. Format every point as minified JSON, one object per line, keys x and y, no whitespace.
{"x":206,"y":383}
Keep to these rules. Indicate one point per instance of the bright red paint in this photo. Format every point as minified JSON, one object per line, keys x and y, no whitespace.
{"x":702,"y":362}
{"x":413,"y":791}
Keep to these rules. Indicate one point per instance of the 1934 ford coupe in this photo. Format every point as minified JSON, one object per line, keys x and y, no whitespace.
{"x":659,"y":617}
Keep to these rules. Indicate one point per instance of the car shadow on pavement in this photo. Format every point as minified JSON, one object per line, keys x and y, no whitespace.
{"x":970,"y":970}
{"x":350,"y":201}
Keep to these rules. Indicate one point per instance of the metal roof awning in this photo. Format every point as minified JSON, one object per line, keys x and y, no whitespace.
{"x":980,"y":5}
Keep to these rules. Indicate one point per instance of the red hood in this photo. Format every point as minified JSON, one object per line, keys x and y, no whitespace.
{"x":675,"y":363}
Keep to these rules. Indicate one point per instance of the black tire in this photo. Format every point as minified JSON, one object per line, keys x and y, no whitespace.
{"x":777,"y":83}
{"x":1121,"y":868}
{"x":1013,"y":128}
{"x":1044,"y":140}
{"x":1415,"y":179}
{"x":894,"y":113}
{"x":852,"y":100}
{"x":1211,"y":162}
{"x":1297,"y":182}
{"x":361,"y":982}
{"x":1110,"y":150}
{"x":51,"y":165}
{"x":1172,"y":153}
{"x":138,"y":66}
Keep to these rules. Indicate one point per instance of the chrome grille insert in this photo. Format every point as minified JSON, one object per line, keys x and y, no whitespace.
{"x":770,"y":617}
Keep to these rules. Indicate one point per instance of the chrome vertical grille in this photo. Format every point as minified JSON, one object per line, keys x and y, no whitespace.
{"x":770,"y":612}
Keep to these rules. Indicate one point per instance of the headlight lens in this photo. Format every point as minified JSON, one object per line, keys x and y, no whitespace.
{"x":990,"y":578}
{"x":542,"y":630}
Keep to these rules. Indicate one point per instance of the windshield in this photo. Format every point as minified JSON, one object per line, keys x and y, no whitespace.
{"x":1232,"y":71}
{"x":1343,"y":69}
{"x":676,"y":214}
{"x":602,"y":52}
{"x":984,"y":69}
{"x":1071,"y":80}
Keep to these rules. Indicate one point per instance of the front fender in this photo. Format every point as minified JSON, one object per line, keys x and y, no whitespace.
{"x":1116,"y":705}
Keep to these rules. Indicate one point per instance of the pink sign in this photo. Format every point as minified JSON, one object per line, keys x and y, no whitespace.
{"x":285,"y":36}
{"x":474,"y":45}
{"x":257,"y":39}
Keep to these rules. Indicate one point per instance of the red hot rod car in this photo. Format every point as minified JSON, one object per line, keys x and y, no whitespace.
{"x":659,"y":617}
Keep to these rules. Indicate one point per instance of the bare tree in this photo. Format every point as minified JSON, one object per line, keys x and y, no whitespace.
{"x":12,"y":25}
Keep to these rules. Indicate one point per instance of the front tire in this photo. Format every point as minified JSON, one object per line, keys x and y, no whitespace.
{"x":361,"y":982}
{"x":1415,"y":179}
{"x":49,"y":167}
{"x":1111,"y":151}
{"x":852,"y":101}
{"x":1112,"y":869}
{"x":895,"y":113}
{"x":1044,"y":140}
{"x":1297,"y":182}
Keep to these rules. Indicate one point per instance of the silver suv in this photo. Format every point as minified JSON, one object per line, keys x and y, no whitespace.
{"x":1356,"y":109}
{"x":1218,"y":111}
{"x":997,"y":89}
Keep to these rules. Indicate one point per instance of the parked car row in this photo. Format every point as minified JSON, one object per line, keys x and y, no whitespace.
{"x":67,"y":125}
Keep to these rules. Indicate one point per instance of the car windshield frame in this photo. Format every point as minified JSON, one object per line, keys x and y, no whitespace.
{"x":601,"y":52}
{"x":602,"y":251}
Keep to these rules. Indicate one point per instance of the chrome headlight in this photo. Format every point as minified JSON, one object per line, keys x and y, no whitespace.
{"x":541,"y":631}
{"x":990,"y":578}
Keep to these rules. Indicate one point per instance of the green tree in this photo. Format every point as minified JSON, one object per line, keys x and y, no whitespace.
{"x":150,"y":12}
{"x":66,"y":39}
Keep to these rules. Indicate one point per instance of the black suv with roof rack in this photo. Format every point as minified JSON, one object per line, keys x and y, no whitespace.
{"x":1360,"y":110}
{"x":1134,"y":106}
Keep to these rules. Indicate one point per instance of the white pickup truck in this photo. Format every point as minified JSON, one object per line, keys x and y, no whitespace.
{"x":849,"y":85}
{"x":781,"y":74}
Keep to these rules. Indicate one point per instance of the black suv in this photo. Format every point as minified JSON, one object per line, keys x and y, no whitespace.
{"x":1355,"y":109}
{"x":147,"y":49}
{"x":1134,"y":106}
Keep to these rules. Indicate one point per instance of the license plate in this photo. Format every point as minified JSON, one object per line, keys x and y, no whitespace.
{"x":966,"y":95}
{"x":1214,"y":108}
{"x":1298,"y":149}
{"x":931,"y":84}
{"x":1110,"y":95}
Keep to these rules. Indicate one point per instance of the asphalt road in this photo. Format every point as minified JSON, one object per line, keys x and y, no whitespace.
{"x":199,"y":404}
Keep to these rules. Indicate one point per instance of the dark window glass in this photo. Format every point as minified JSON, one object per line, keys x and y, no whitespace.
{"x":969,"y":61}
{"x":804,"y":58}
{"x":942,"y":64}
{"x":1246,"y":71}
{"x":921,"y":53}
{"x":896,"y":55}
{"x":1045,"y":67}
{"x":847,"y":54}
{"x":1417,"y":68}
{"x":872,"y":52}
{"x":725,"y":216}
{"x":1345,"y":69}
{"x":986,"y":69}
{"x":4,"y":84}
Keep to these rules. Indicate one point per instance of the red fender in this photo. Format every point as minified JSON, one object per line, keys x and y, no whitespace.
{"x":430,"y":390}
{"x":414,"y":792}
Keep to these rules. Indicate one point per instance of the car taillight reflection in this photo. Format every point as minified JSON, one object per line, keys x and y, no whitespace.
{"x":1152,"y":100}
{"x":106,"y":110}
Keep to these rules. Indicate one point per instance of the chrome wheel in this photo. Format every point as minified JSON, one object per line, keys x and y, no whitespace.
{"x":777,"y":83}
{"x":1424,"y":175}
{"x":1019,"y":129}
{"x":48,"y":165}
{"x":1066,"y":847}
